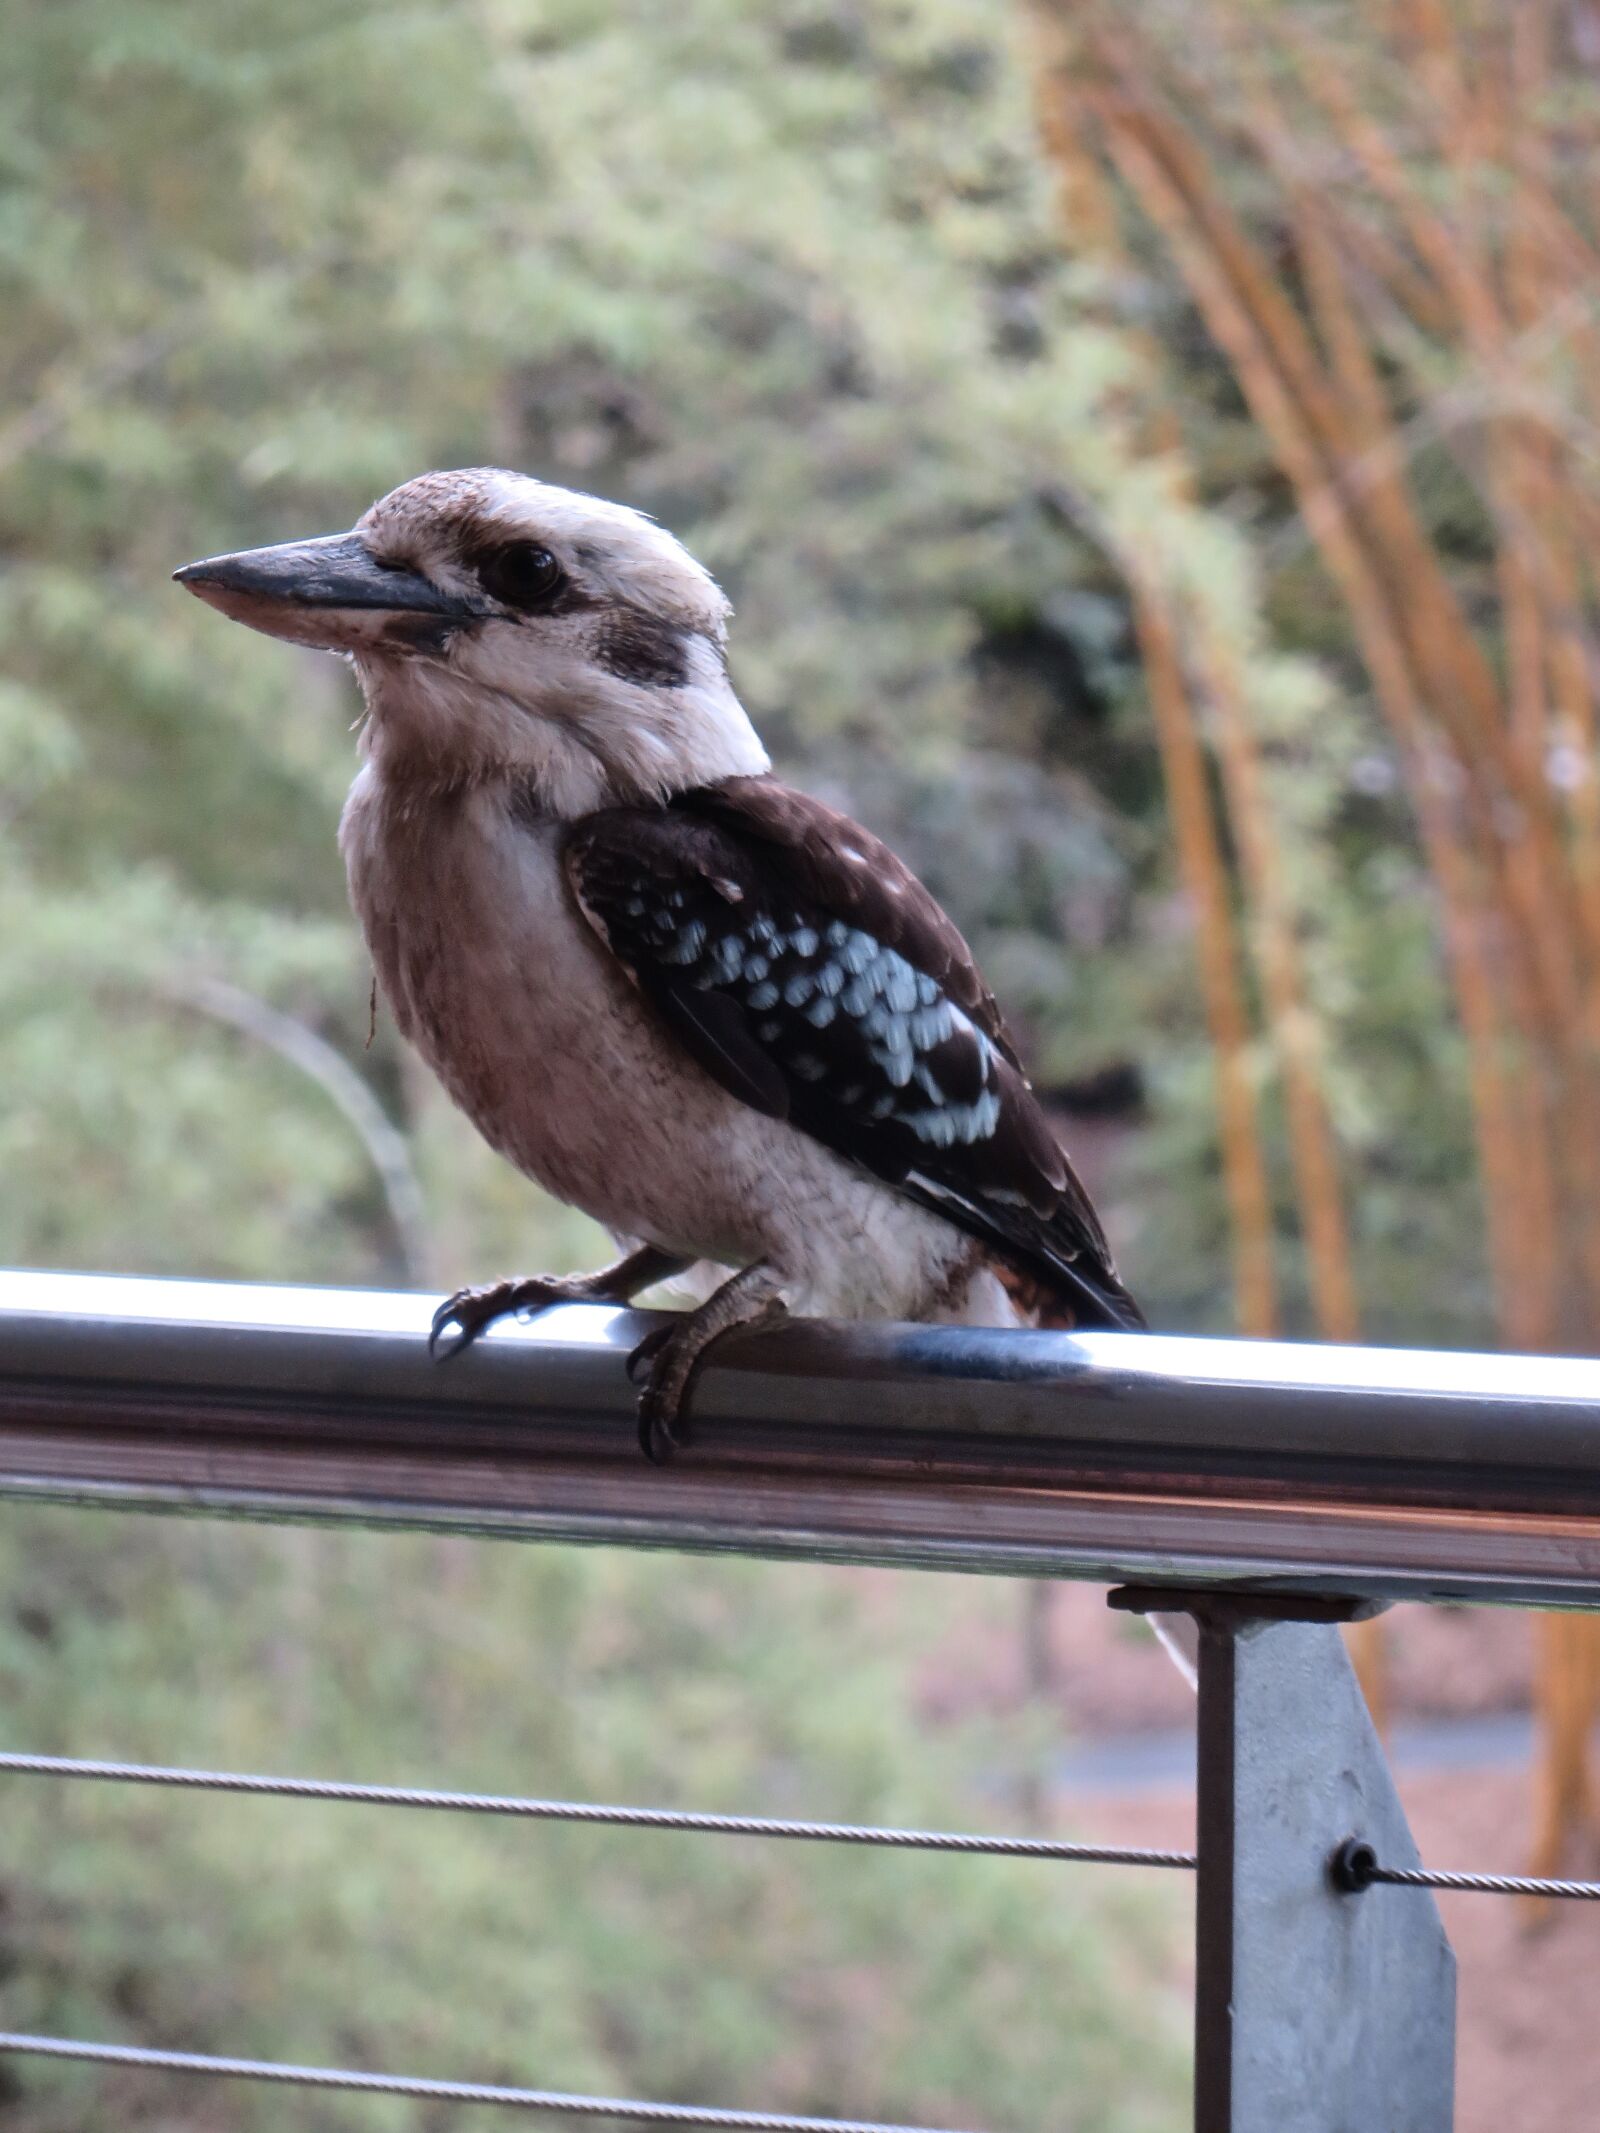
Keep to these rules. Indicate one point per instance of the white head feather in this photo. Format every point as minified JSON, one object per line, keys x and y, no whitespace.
{"x":620,"y":693}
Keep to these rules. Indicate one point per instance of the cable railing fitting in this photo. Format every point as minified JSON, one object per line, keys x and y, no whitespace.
{"x":1355,"y":1866}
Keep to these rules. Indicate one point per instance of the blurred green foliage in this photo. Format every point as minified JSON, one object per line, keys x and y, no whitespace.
{"x":786,"y":278}
{"x":709,"y":1970}
{"x":789,"y":277}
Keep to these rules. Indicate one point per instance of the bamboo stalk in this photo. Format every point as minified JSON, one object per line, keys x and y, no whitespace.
{"x":1467,"y":918}
{"x":1520,"y":892}
{"x":1200,"y":860}
{"x":1374,"y":534}
{"x":1312,"y":1153}
{"x":1088,"y":214}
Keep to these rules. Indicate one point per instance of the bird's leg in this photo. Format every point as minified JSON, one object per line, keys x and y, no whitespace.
{"x":670,"y":1356}
{"x":471,"y":1310}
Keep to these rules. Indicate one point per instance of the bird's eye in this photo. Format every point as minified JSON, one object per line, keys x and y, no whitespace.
{"x":522,"y":575}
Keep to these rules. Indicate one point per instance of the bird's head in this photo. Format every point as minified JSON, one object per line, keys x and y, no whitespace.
{"x":503,"y":628}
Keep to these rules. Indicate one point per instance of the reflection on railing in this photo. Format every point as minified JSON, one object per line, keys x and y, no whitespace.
{"x":1268,"y":1491}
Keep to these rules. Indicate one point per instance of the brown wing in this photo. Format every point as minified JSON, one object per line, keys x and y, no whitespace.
{"x":813,"y":976}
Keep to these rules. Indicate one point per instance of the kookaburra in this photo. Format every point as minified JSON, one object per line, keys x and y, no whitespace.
{"x":721,"y":1018}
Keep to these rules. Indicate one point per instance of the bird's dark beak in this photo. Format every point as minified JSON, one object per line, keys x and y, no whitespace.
{"x":332,"y":592}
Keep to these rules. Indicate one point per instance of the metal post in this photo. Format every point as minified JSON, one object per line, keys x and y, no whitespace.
{"x":1314,"y":2009}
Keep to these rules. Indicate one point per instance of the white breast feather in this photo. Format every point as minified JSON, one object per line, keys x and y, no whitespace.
{"x":543,"y":1041}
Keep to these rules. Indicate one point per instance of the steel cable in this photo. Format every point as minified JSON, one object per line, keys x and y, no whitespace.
{"x":1355,"y":1866}
{"x":928,"y":1840}
{"x":1489,"y":1884}
{"x":330,"y":2077}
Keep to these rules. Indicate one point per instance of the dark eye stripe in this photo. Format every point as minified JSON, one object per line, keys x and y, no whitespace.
{"x":642,"y":649}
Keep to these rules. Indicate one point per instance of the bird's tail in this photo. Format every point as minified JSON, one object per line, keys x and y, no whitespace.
{"x":1055,"y":1267}
{"x":1073,"y":1299}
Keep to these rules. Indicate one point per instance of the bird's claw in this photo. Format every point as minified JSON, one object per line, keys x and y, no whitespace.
{"x":473,"y":1311}
{"x":647,"y":1351}
{"x":662,"y":1380}
{"x":449,"y":1314}
{"x":664,"y":1364}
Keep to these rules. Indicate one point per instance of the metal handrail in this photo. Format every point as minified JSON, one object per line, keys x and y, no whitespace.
{"x":1102,"y":1456}
{"x":1267,"y":1490}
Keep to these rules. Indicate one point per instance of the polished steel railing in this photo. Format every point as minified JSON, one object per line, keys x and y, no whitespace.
{"x":1265,"y":1490}
{"x":1109,"y":1456}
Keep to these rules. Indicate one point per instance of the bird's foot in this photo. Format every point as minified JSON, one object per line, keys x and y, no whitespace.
{"x":469,"y":1311}
{"x":665,"y":1361}
{"x":472,"y":1311}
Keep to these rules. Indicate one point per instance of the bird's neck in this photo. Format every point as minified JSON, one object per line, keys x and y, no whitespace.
{"x":430,"y":731}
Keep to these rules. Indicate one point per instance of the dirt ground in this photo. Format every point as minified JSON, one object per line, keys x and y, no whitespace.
{"x":1529,"y":2009}
{"x":1528,"y":2017}
{"x":1107,"y":1675}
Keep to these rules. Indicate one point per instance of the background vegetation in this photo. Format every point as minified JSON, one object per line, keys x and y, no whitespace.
{"x":1025,"y":573}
